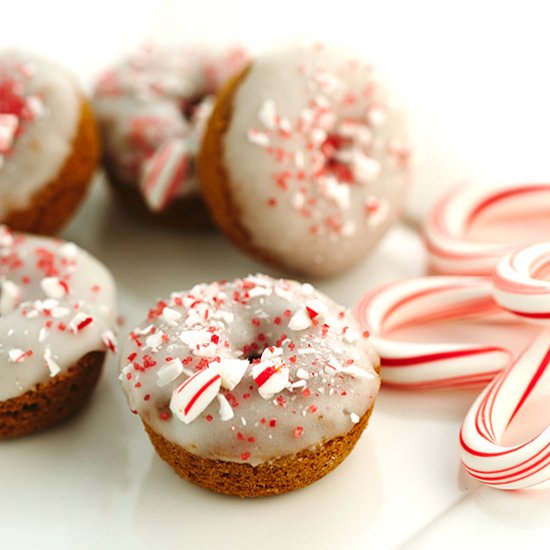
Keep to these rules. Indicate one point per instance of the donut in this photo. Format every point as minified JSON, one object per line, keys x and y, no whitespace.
{"x":57,"y":310}
{"x":152,"y":109}
{"x":253,"y":387}
{"x":49,"y":144}
{"x":304,"y":161}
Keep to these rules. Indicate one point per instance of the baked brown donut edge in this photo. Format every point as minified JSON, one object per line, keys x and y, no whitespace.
{"x":56,"y":201}
{"x":275,"y":477}
{"x":51,"y":402}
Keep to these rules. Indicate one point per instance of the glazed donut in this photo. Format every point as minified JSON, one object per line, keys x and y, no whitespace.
{"x":252,"y":387}
{"x":48,"y":143}
{"x":57,"y":312}
{"x":152,"y":109}
{"x":304,"y":162}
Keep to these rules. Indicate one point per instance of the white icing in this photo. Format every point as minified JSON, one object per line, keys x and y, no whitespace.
{"x":240,"y":416}
{"x":40,"y":337}
{"x":294,"y":96}
{"x":41,"y":148}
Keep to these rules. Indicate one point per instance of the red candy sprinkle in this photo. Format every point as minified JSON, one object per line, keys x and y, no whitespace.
{"x":298,"y":431}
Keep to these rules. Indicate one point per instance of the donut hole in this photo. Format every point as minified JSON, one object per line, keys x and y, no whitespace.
{"x":254,"y":350}
{"x":333,"y":149}
{"x":189,"y":107}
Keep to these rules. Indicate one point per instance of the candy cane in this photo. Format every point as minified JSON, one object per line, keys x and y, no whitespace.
{"x":483,"y":453}
{"x":451,"y":251}
{"x":430,"y":365}
{"x":164,"y":174}
{"x":519,"y":289}
{"x":518,"y":286}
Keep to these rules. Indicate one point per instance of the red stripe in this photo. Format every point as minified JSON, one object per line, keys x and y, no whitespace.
{"x":533,"y":382}
{"x":451,"y":382}
{"x":158,"y":161}
{"x":530,"y":315}
{"x":489,"y":251}
{"x":265,"y":375}
{"x":84,"y":323}
{"x":481,"y":454}
{"x":502,"y":470}
{"x":412,"y":361}
{"x":502,"y":283}
{"x":513,"y":478}
{"x":502,"y":195}
{"x":448,"y":311}
{"x":176,"y":178}
{"x":200,"y":392}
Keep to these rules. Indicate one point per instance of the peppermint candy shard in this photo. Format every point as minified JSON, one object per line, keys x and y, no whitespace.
{"x":356,"y":372}
{"x":226,"y":411}
{"x":52,"y":365}
{"x":231,"y":371}
{"x":300,"y":320}
{"x":169,"y":372}
{"x":10,"y":296}
{"x":110,"y":341}
{"x":164,"y":174}
{"x":192,"y":397}
{"x":171,"y":316}
{"x":271,"y":377}
{"x":54,"y":287}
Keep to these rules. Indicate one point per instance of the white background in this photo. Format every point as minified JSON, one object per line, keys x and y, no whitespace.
{"x":476,"y":79}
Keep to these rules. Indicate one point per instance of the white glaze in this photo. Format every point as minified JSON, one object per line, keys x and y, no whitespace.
{"x":283,"y":84}
{"x":32,"y":298}
{"x":139,"y":105}
{"x":306,"y":410}
{"x":44,"y":143}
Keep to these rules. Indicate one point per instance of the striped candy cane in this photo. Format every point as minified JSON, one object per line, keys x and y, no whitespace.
{"x":429,"y":365}
{"x":164,"y":174}
{"x":483,"y":453}
{"x":519,"y":289}
{"x":518,"y":284}
{"x":451,"y":252}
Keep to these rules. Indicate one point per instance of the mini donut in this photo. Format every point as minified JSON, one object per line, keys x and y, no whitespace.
{"x":57,"y":312}
{"x":49,"y":144}
{"x":304,"y":162}
{"x":152,"y":109}
{"x":253,"y":387}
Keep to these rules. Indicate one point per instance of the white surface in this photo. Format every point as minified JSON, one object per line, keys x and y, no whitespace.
{"x":95,"y":481}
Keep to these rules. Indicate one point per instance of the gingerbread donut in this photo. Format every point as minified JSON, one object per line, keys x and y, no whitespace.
{"x":57,"y":312}
{"x":252,"y":387}
{"x":48,"y":143}
{"x":304,"y":162}
{"x":152,"y":109}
